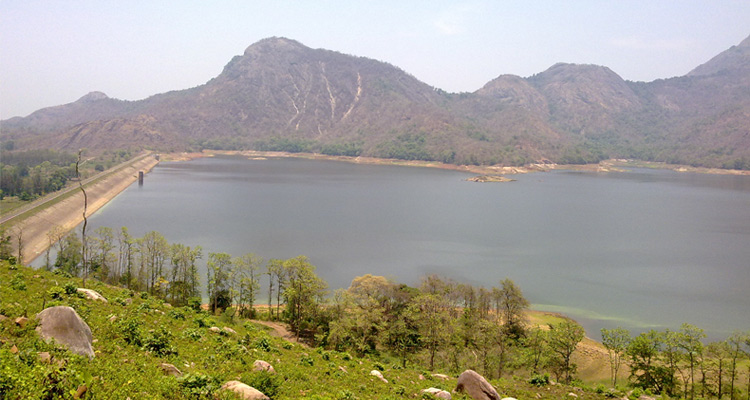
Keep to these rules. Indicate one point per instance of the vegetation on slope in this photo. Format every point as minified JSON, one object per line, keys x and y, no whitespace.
{"x":442,"y":326}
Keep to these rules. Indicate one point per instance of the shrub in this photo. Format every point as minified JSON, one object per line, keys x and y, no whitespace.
{"x":17,"y":282}
{"x":176,"y":314}
{"x":268,"y":384}
{"x":130,"y":328}
{"x":56,"y":292}
{"x":194,"y":303}
{"x":70,"y":289}
{"x":263,"y":344}
{"x":198,"y":385}
{"x":539,"y":380}
{"x":192,"y":334}
{"x":158,"y":342}
{"x":306,"y":360}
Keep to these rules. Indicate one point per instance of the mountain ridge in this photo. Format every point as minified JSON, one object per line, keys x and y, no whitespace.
{"x":281,"y":95}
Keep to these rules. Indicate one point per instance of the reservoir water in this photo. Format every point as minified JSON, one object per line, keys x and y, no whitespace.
{"x":639,"y":249}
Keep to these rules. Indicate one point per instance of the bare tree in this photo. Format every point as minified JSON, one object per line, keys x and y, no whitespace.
{"x":85,"y":220}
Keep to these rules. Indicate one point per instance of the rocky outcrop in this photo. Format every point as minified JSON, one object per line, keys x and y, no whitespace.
{"x":65,"y":326}
{"x":246,"y":392}
{"x":260,"y":365}
{"x":92,"y":294}
{"x":476,"y":386}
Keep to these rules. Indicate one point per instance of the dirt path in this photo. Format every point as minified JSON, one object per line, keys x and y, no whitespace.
{"x":279,"y":330}
{"x":68,"y":213}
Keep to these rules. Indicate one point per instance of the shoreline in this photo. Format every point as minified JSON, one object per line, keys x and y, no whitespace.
{"x":68,"y":212}
{"x":604,"y":166}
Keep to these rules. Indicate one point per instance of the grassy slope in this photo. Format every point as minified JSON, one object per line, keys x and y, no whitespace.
{"x":121,"y":370}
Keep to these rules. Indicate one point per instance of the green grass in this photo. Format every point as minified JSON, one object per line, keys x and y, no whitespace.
{"x":134,"y":336}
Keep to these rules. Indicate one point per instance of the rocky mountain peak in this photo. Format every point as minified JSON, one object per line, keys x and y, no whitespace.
{"x":274,"y":44}
{"x":93,"y":96}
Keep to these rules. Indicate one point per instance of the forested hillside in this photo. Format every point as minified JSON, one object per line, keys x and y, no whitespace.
{"x":281,"y":95}
{"x":152,"y":321}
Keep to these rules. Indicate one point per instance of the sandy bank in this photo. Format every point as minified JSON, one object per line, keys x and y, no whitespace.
{"x":68,"y":213}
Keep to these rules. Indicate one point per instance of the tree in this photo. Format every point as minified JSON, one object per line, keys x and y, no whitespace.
{"x":104,"y":245}
{"x":535,"y":347}
{"x":510,"y":304}
{"x":430,"y":312}
{"x":646,"y":371}
{"x":689,"y":340}
{"x":718,"y":353}
{"x":125,"y":256}
{"x":303,"y":293}
{"x":735,"y":342}
{"x":54,"y":235}
{"x":154,"y":252}
{"x":84,"y":263}
{"x":184,"y":282}
{"x":69,"y":254}
{"x":616,"y":342}
{"x":363,"y":318}
{"x":245,"y":283}
{"x":217,"y":282}
{"x":563,"y":339}
{"x":275,"y":271}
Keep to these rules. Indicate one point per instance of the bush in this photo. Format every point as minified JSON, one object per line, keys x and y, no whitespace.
{"x":56,"y":292}
{"x":176,"y":314}
{"x":263,"y":344}
{"x":268,"y":384}
{"x":192,"y":334}
{"x":158,"y":342}
{"x":198,"y":385}
{"x":17,"y":282}
{"x":130,"y":328}
{"x":539,"y":380}
{"x":70,"y":289}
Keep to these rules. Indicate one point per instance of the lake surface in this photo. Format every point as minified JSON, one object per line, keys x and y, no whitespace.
{"x":640,"y":249}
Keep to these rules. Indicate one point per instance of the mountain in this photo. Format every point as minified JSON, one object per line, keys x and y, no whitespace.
{"x":282,"y":95}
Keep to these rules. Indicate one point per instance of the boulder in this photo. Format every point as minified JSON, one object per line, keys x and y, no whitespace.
{"x":45,"y":357}
{"x":476,"y":386}
{"x":169,"y":369}
{"x":22,"y":321}
{"x":439,"y":393}
{"x":441,"y":376}
{"x":91,"y":294}
{"x":230,"y":330}
{"x":379,"y":375}
{"x":245,"y":391}
{"x":260,"y":365}
{"x":513,"y":398}
{"x":214,"y":329}
{"x":65,"y":326}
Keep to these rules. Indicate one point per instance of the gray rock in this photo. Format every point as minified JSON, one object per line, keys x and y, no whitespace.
{"x":229,"y":330}
{"x":438,"y":393}
{"x":65,"y":326}
{"x":379,"y":375}
{"x":260,"y":365}
{"x":476,"y":386}
{"x":245,"y":391}
{"x":169,"y":369}
{"x":92,"y":294}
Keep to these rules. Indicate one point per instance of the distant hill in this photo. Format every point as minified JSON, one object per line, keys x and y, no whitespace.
{"x":282,"y":95}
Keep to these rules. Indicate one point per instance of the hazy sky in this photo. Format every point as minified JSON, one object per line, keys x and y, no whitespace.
{"x":53,"y":52}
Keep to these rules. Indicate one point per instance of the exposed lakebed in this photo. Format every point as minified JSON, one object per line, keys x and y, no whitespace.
{"x":639,"y":249}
